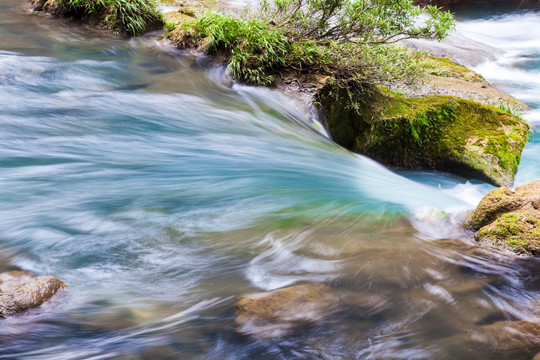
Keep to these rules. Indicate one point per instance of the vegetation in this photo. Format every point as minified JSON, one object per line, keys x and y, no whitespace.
{"x":441,"y":66}
{"x":348,"y":40}
{"x":509,"y":110}
{"x":131,"y":16}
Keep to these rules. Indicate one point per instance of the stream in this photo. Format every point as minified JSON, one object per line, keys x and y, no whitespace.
{"x":159,"y":191}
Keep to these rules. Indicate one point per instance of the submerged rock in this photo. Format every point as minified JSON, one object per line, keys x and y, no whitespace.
{"x":268,"y":315}
{"x":437,"y":132}
{"x":511,"y":338}
{"x":21,"y":290}
{"x":273,"y":314}
{"x":509,"y":219}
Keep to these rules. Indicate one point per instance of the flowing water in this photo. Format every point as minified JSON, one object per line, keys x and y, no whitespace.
{"x":160,"y":192}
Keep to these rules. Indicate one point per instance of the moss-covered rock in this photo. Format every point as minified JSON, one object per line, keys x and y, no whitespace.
{"x":509,"y":219}
{"x":434,"y":132}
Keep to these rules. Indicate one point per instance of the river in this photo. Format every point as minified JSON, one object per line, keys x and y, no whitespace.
{"x":160,"y":192}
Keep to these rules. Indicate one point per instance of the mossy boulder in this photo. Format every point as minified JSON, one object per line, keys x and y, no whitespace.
{"x":437,"y":132}
{"x":509,"y":219}
{"x":21,"y":291}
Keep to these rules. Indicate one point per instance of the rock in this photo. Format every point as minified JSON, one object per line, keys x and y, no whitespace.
{"x":272,"y":314}
{"x":501,"y":340}
{"x":38,"y":4}
{"x":512,"y":338}
{"x":12,"y":279}
{"x":22,"y":291}
{"x":509,"y":219}
{"x":52,"y":7}
{"x":364,"y":305}
{"x":447,"y":77}
{"x":437,"y":132}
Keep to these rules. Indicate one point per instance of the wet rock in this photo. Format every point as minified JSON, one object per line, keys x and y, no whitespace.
{"x":21,"y":290}
{"x":438,"y":132}
{"x":509,"y":219}
{"x":272,"y":314}
{"x":512,"y":338}
{"x":501,"y":340}
{"x":11,"y":280}
{"x":364,"y":305}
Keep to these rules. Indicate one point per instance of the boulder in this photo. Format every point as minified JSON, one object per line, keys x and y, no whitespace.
{"x":509,"y":219}
{"x":269,"y":315}
{"x":21,"y":290}
{"x":437,"y":132}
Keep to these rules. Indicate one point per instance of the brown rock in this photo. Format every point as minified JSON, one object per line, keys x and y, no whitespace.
{"x":12,"y":279}
{"x":272,"y":314}
{"x":365,"y":304}
{"x":502,"y":200}
{"x":509,"y":219}
{"x":29,"y":295}
{"x":38,"y":4}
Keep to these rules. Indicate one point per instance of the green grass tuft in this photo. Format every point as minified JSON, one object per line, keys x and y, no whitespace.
{"x":131,"y":16}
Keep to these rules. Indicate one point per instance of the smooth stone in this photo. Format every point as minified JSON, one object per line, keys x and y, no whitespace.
{"x":13,"y":279}
{"x":29,"y":294}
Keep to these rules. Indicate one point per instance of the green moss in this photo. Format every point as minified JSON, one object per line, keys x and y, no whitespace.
{"x":441,"y":66}
{"x":515,"y":230}
{"x":436,"y":132}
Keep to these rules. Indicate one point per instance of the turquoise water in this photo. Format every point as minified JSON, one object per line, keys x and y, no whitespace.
{"x":516,"y":71}
{"x":159,"y":191}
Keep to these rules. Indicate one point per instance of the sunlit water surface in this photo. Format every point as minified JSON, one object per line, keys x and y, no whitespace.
{"x":159,"y":191}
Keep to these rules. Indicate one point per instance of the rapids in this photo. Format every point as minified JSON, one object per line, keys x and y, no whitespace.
{"x":159,"y":192}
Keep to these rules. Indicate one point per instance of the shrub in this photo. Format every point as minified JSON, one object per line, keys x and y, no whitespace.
{"x":349,"y":40}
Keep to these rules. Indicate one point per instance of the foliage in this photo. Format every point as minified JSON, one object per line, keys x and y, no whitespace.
{"x":348,"y":40}
{"x":509,"y":110}
{"x":361,"y":21}
{"x":133,"y":16}
{"x":255,"y":50}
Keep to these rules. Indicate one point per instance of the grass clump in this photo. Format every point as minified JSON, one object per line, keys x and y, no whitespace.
{"x":133,"y":17}
{"x":254,"y":50}
{"x":510,"y":110}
